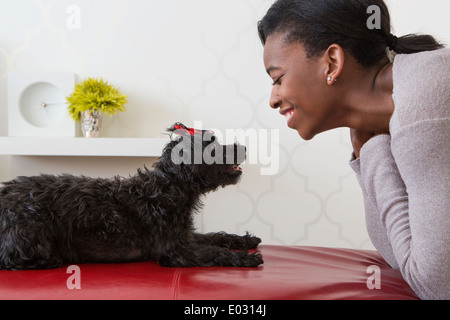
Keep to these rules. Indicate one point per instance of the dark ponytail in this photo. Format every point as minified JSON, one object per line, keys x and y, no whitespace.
{"x":319,"y":23}
{"x":413,"y":43}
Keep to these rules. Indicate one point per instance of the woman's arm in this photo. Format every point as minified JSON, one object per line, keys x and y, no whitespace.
{"x":408,"y":182}
{"x":375,"y":229}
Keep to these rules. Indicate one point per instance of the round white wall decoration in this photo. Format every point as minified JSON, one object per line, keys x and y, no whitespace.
{"x":37,"y":104}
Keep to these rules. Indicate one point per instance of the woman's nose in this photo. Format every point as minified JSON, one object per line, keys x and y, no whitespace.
{"x":275,"y":100}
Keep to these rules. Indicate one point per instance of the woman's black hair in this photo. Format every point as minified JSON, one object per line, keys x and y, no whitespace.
{"x":319,"y":23}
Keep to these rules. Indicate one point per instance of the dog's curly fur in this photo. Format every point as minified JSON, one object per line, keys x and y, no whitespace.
{"x":47,"y":221}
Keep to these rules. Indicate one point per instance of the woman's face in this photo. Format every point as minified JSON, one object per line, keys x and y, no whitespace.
{"x":300,"y":88}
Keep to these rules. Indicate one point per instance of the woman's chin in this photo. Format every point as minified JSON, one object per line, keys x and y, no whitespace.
{"x":306,"y":135}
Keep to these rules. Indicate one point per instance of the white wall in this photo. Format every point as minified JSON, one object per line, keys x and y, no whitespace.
{"x":191,"y":60}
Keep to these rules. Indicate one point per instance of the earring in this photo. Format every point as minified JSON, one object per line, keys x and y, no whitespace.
{"x":330,"y":78}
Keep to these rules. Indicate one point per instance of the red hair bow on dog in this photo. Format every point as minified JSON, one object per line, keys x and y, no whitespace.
{"x":179,"y":129}
{"x":180,"y":126}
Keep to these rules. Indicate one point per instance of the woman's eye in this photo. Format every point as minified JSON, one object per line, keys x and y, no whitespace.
{"x":277,"y":81}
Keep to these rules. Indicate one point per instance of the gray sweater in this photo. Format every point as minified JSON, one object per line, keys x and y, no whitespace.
{"x":405,"y":176}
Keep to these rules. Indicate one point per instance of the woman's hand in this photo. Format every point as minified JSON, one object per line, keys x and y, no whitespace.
{"x":359,"y":138}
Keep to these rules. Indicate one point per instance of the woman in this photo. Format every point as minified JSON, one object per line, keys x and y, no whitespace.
{"x":330,"y":70}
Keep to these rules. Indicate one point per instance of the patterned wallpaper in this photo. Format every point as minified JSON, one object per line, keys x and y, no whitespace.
{"x":193,"y":61}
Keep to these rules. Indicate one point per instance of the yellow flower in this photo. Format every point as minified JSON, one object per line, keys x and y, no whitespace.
{"x":95,"y":95}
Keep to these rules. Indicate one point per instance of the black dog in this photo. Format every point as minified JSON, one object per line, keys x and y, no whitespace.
{"x":47,"y":221}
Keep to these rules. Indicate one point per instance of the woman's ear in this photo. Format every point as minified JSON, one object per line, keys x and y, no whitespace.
{"x":334,"y":58}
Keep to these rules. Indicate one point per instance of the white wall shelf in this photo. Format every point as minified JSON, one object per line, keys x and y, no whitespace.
{"x":82,"y":147}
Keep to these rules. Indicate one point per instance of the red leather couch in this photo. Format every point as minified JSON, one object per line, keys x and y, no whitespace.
{"x":288,"y":273}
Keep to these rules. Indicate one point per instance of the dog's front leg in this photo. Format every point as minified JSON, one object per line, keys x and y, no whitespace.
{"x":228,"y":241}
{"x":196,"y":255}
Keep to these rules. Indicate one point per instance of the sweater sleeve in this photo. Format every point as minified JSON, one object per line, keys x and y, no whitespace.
{"x":410,"y":189}
{"x":375,"y":229}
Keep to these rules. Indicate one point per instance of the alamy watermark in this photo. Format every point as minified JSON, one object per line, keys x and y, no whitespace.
{"x":73,"y":281}
{"x":374,"y":21}
{"x":73,"y":21}
{"x":374,"y":281}
{"x":262,"y":147}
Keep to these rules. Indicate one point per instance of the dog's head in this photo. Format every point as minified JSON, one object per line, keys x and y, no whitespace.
{"x":198,"y":158}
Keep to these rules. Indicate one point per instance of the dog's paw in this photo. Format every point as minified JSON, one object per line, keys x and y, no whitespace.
{"x":251,"y":242}
{"x":252,"y":260}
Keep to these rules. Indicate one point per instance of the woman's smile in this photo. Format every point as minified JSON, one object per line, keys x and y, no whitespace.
{"x":288,"y":114}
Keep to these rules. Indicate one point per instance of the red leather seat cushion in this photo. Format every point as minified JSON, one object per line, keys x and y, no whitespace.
{"x":289,"y":272}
